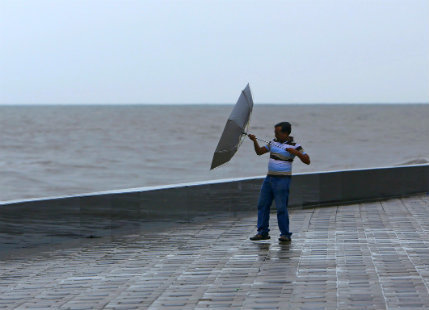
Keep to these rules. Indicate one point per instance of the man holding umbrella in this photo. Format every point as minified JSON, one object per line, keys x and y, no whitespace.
{"x":283,"y":150}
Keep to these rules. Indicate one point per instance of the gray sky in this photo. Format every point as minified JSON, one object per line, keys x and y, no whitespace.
{"x":206,"y":51}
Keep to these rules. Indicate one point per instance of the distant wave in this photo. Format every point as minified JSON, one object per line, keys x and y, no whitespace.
{"x":414,"y":162}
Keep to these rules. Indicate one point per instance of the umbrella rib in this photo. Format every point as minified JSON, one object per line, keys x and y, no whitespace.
{"x":247,"y":99}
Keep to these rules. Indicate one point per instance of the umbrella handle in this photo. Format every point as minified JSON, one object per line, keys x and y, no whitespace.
{"x":245,"y":133}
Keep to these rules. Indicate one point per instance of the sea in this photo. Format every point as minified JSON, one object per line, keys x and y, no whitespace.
{"x":57,"y":150}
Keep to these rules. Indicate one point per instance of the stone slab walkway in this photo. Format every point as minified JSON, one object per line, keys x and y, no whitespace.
{"x":360,"y":256}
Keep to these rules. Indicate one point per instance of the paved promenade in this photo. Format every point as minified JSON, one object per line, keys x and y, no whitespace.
{"x":360,"y":256}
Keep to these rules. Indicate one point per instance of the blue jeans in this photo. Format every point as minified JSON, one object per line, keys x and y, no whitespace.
{"x":276,"y":188}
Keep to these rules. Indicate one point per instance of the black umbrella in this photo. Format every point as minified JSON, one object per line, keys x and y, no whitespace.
{"x":235,"y":129}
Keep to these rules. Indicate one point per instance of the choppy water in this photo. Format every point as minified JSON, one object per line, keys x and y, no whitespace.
{"x":60,"y":150}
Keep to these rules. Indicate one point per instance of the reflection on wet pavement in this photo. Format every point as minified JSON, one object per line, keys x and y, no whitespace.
{"x":361,"y":256}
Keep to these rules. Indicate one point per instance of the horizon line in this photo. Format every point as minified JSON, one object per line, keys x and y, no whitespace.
{"x":213,"y":103}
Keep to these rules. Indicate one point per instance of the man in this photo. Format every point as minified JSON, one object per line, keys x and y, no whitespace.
{"x":282,"y":150}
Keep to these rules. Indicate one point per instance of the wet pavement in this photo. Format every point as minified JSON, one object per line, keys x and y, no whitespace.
{"x":360,"y":256}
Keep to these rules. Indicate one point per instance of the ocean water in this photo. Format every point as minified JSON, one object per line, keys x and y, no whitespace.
{"x":61,"y":150}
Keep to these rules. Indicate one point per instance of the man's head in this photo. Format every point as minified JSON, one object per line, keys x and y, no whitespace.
{"x":282,"y":130}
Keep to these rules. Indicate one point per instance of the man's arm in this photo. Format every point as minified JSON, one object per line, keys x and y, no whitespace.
{"x":259,"y":150}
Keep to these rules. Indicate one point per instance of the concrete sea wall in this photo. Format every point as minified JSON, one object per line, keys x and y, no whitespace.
{"x":90,"y":213}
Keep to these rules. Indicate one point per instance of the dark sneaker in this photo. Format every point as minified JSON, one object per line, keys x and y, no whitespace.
{"x":260,"y":237}
{"x":285,"y":238}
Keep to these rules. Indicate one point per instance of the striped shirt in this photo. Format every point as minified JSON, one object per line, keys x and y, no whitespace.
{"x":280,"y":162}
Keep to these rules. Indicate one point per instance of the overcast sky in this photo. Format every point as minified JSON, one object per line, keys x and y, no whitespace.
{"x":101,"y":51}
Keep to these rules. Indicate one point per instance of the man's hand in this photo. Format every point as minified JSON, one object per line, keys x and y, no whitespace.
{"x":252,"y":137}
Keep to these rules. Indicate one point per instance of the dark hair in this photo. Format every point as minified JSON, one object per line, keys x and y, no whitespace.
{"x":286,"y":128}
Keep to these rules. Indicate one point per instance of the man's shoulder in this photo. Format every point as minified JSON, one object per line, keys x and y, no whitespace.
{"x":293,"y":143}
{"x":297,"y":146}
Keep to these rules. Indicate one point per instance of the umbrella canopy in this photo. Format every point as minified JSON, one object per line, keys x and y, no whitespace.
{"x":236,"y":125}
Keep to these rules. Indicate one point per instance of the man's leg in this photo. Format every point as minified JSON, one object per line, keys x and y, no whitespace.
{"x":264,"y":204}
{"x":281,"y":197}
